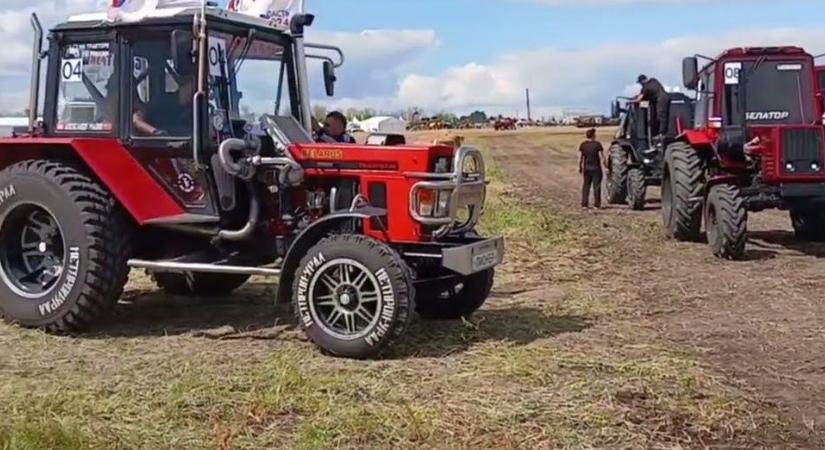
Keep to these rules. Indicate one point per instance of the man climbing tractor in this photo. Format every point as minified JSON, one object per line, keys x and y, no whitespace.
{"x":654,"y":92}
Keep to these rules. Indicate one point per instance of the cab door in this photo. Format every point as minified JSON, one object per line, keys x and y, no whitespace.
{"x":157,"y":122}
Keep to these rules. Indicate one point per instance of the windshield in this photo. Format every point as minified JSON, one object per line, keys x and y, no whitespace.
{"x":248,"y":81}
{"x":778,"y":92}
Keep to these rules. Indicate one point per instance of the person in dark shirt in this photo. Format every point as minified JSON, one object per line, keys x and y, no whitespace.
{"x":654,"y":93}
{"x":335,"y":130}
{"x":591,"y":158}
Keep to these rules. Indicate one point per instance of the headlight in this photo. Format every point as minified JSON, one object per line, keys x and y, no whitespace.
{"x":434,"y":204}
{"x":442,"y":164}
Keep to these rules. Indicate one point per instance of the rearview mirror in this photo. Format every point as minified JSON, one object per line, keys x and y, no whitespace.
{"x":329,"y":78}
{"x":182,"y":54}
{"x":690,"y":72}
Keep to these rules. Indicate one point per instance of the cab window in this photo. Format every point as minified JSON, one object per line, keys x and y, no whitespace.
{"x":161,"y":98}
{"x":87,"y":98}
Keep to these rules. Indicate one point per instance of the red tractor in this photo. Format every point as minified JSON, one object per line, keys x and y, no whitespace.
{"x":187,"y":152}
{"x":757,"y":143}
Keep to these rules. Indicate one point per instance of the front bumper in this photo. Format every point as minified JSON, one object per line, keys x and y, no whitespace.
{"x":475,"y":257}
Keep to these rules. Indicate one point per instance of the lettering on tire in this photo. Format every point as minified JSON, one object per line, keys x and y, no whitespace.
{"x":62,"y":293}
{"x":303,"y":294}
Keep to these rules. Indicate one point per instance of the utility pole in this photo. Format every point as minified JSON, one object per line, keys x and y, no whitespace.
{"x":529,"y":116}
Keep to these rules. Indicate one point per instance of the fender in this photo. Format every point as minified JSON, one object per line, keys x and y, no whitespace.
{"x":696,"y":138}
{"x":128,"y":181}
{"x":311,"y":236}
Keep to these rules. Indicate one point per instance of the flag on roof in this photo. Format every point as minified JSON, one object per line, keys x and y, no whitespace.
{"x":137,"y":10}
{"x":277,"y":12}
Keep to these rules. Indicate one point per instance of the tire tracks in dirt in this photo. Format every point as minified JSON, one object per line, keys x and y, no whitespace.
{"x":758,"y":322}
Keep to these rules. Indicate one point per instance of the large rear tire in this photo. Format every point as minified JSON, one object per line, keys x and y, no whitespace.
{"x":683,"y":184}
{"x":726,"y":220}
{"x":353,"y":296}
{"x":64,"y":246}
{"x":200,"y":284}
{"x":808,"y":225}
{"x":617,"y":178}
{"x":636,"y":188}
{"x":455,"y":300}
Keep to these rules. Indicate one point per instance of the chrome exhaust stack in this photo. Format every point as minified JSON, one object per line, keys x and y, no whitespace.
{"x":37,"y":55}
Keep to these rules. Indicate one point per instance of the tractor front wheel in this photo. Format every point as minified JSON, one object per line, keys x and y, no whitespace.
{"x":617,"y":178}
{"x":200,"y":284}
{"x":353,"y":296}
{"x":64,"y":246}
{"x":456,"y":300}
{"x":808,"y":225}
{"x":636,"y":188}
{"x":682,"y":189}
{"x":726,"y":220}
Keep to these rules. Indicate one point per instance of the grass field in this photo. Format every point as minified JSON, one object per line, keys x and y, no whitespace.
{"x":556,"y":359}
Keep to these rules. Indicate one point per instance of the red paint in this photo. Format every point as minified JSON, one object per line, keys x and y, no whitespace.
{"x":404,"y":160}
{"x":122,"y":174}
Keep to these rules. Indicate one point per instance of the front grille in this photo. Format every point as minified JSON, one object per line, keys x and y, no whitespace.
{"x":802,"y":151}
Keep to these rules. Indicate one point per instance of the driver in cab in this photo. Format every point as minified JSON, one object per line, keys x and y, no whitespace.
{"x":334,"y":130}
{"x":159,"y":118}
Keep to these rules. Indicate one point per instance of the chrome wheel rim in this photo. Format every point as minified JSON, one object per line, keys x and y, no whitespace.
{"x":345,"y":299}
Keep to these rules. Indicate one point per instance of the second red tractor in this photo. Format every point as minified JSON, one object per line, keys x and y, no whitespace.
{"x":757,"y":143}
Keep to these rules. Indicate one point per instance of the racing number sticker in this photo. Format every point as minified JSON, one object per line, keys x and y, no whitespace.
{"x":732,"y":72}
{"x":71,"y":70}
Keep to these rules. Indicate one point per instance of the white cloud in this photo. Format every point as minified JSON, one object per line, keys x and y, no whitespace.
{"x":587,"y":77}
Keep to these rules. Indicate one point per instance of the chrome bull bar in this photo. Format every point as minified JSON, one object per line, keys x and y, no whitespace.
{"x":467,"y":185}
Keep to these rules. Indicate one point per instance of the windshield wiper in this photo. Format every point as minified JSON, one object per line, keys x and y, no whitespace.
{"x":250,"y":37}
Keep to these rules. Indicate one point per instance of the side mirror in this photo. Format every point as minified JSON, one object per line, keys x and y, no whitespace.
{"x":182,"y":54}
{"x":690,"y":72}
{"x":329,"y":78}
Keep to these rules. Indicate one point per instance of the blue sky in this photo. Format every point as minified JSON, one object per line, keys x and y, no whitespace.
{"x":461,"y":55}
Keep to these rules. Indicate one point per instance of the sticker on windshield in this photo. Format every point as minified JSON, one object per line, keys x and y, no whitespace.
{"x":71,"y":70}
{"x":217,"y":57}
{"x":732,"y":72}
{"x":789,"y":67}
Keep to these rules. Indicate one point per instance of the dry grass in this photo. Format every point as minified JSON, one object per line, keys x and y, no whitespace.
{"x":549,"y":363}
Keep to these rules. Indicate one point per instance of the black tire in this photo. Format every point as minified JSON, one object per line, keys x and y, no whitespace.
{"x":200,"y":284}
{"x":726,"y":220}
{"x":617,"y":178}
{"x":683,"y":185}
{"x":808,"y":225}
{"x":636,"y":188}
{"x":459,"y":299}
{"x":323,"y":294}
{"x":79,"y":268}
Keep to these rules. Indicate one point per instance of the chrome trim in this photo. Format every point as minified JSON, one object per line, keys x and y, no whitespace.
{"x":178,"y":267}
{"x":467,"y":191}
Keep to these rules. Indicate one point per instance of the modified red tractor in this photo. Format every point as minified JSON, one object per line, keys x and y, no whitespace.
{"x":187,"y":151}
{"x":757,"y":143}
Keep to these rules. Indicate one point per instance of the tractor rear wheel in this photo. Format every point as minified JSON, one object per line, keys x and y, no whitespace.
{"x":636,"y":188}
{"x":456,"y":300}
{"x":617,"y":178}
{"x":64,"y":246}
{"x":353,"y":296}
{"x":683,"y":184}
{"x":200,"y":284}
{"x":808,"y":225}
{"x":726,"y":220}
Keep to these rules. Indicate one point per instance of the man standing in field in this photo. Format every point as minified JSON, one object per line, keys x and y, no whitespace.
{"x":591,"y":158}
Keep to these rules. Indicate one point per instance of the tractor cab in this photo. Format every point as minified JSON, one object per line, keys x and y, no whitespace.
{"x":635,"y":155}
{"x":761,"y":104}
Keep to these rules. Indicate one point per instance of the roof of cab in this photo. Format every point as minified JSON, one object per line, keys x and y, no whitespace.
{"x":99,"y":20}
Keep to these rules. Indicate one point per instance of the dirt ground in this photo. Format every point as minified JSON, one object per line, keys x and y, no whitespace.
{"x":600,"y":334}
